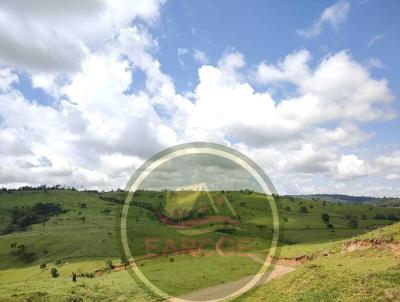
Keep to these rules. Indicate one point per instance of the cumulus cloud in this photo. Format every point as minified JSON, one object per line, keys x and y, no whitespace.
{"x":55,"y":36}
{"x":7,"y":78}
{"x":390,"y":160}
{"x":392,"y":176}
{"x":338,"y":90}
{"x":200,"y":56}
{"x":333,"y":16}
{"x":351,"y":166}
{"x":94,"y":126}
{"x":98,"y":129}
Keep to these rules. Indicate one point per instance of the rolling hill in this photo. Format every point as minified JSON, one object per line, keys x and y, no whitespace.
{"x":76,"y":231}
{"x":378,"y":201}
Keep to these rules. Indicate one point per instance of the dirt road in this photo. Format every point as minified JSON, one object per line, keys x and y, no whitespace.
{"x":222,"y":290}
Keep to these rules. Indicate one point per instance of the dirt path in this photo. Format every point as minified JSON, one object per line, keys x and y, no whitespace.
{"x":223,"y":290}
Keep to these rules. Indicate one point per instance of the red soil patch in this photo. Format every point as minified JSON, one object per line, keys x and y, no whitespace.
{"x":295,"y":261}
{"x":220,"y":200}
{"x":356,"y":245}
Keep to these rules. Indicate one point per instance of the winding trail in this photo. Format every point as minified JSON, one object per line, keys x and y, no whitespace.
{"x":223,"y":290}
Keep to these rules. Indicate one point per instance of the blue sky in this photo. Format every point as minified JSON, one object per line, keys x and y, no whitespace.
{"x":266,"y":30}
{"x":309,"y":90}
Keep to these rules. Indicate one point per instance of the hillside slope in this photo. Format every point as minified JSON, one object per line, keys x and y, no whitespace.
{"x":377,"y":201}
{"x":68,"y":242}
{"x":368,"y":271}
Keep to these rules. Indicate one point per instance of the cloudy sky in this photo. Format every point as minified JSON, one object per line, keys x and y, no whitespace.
{"x":309,"y":90}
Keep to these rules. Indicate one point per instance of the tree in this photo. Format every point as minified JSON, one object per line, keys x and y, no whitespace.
{"x":325,"y":217}
{"x":109,"y":264}
{"x":124,"y":261}
{"x":54,"y":272}
{"x":287,"y":209}
{"x":261,"y":227}
{"x":303,"y":210}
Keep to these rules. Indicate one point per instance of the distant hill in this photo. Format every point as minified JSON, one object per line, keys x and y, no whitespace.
{"x":378,"y":201}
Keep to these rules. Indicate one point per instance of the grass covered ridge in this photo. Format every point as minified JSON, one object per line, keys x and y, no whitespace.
{"x":80,"y":236}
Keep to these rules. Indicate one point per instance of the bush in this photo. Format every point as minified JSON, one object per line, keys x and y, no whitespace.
{"x":23,"y":217}
{"x":73,"y":298}
{"x":86,"y":275}
{"x":261,"y":227}
{"x":388,"y":217}
{"x":303,"y":210}
{"x":106,"y":211}
{"x":109,"y":264}
{"x":325,"y":217}
{"x":54,"y":272}
{"x":43,"y":266}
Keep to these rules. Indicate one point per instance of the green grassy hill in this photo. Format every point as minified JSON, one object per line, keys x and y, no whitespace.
{"x":378,"y":201}
{"x":369,"y":271}
{"x":86,"y":231}
{"x":83,"y":236}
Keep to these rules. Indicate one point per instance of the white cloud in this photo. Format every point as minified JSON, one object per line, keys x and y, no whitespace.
{"x":390,"y":160}
{"x":59,"y":35}
{"x":93,"y":128}
{"x":200,"y":57}
{"x":180,"y":53}
{"x":343,"y":135}
{"x":374,"y":40}
{"x":351,"y":166}
{"x":339,"y":88}
{"x":374,"y":63}
{"x":7,"y":78}
{"x":334,"y":16}
{"x":392,"y":176}
{"x":98,"y":129}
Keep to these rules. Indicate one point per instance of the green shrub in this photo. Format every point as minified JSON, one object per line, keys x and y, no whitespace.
{"x":54,"y":272}
{"x":109,"y":264}
{"x":303,"y":210}
{"x":43,"y":266}
{"x":325,"y":217}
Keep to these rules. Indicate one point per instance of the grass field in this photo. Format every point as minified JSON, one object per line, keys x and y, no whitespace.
{"x":371,"y":274}
{"x":70,"y":243}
